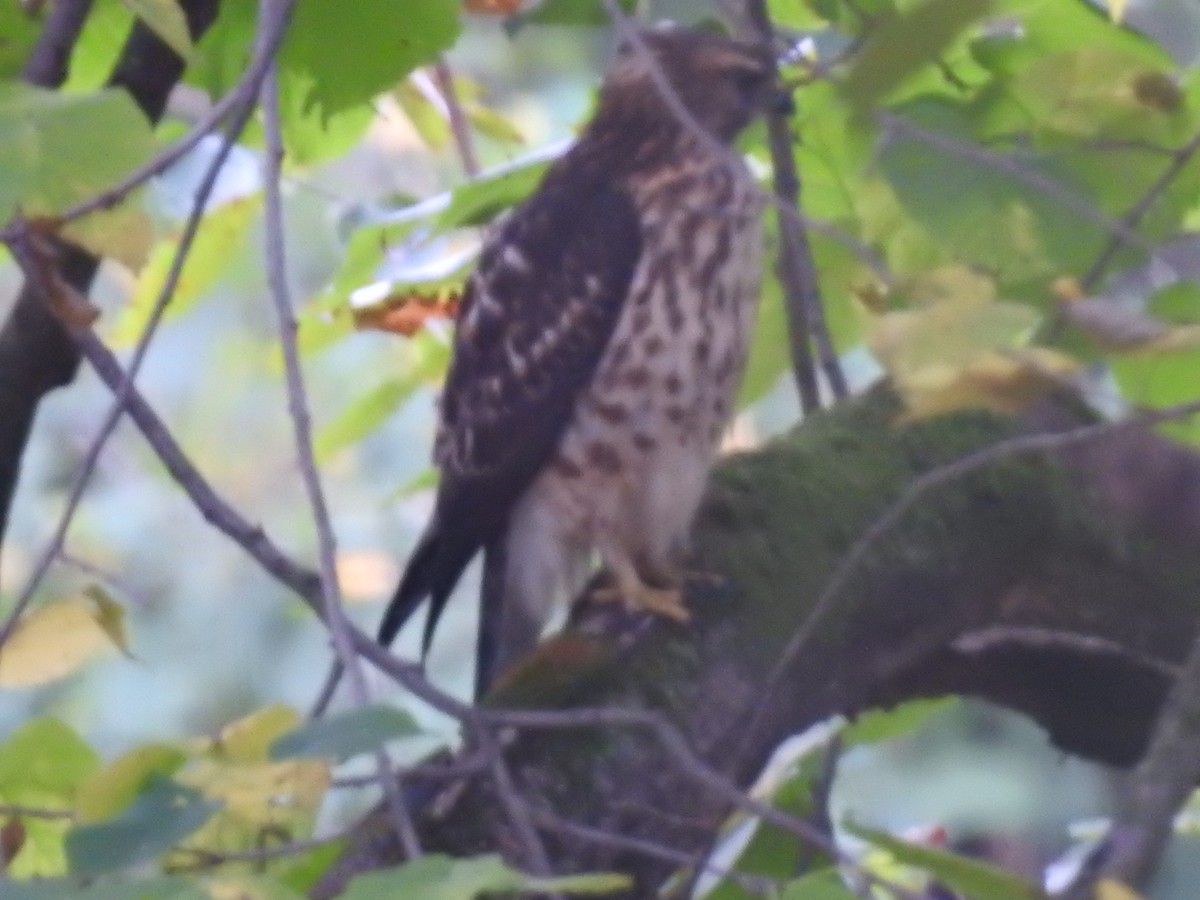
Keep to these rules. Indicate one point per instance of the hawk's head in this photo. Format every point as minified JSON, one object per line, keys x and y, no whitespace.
{"x":723,"y":83}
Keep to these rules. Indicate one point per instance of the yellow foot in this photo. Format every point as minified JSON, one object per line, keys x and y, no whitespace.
{"x":666,"y":602}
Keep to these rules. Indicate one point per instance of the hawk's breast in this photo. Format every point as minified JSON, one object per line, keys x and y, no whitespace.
{"x":634,"y":459}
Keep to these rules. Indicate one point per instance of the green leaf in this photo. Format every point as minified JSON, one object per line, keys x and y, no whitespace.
{"x":223,"y":232}
{"x":1159,"y":381}
{"x":902,"y":44}
{"x":478,"y":202}
{"x":165,"y":19}
{"x":312,"y":134}
{"x":877,"y":725}
{"x":347,"y":734}
{"x":223,"y":51}
{"x":345,"y":56}
{"x":363,"y":415}
{"x":110,"y":789}
{"x":438,"y":877}
{"x":18,"y":33}
{"x":44,"y":755}
{"x":978,"y":880}
{"x":824,"y":884}
{"x":42,"y":765}
{"x":973,"y":200}
{"x":58,"y":149}
{"x":303,"y":871}
{"x":163,"y":815}
{"x":95,"y":54}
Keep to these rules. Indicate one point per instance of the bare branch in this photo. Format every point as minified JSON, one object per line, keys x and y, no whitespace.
{"x":84,"y":473}
{"x":797,"y":271}
{"x":1160,"y":785}
{"x":556,"y":824}
{"x":335,"y":617}
{"x":1179,"y":160}
{"x":1085,"y":209}
{"x":460,"y":128}
{"x":9,"y":810}
{"x":47,"y":64}
{"x":215,"y":510}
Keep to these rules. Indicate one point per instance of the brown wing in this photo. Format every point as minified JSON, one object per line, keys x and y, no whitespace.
{"x":536,"y":318}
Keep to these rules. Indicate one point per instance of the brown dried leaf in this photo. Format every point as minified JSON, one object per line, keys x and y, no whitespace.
{"x":492,"y":7}
{"x":12,"y":839}
{"x":36,"y":254}
{"x":407,"y":313}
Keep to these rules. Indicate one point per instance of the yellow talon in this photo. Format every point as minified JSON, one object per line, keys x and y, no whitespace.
{"x":666,"y":602}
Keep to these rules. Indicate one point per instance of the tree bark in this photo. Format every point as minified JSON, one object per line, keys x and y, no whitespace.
{"x":1065,"y":588}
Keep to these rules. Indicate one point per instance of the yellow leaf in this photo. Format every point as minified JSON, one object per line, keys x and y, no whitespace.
{"x":1005,"y":382}
{"x":947,"y":335}
{"x":222,"y":234}
{"x":1116,"y":10}
{"x":261,"y":802}
{"x":960,"y":353}
{"x":249,"y":739}
{"x":58,"y":638}
{"x":124,"y":233}
{"x":110,"y":789}
{"x":1111,"y":889}
{"x":110,"y":616}
{"x":261,"y":793}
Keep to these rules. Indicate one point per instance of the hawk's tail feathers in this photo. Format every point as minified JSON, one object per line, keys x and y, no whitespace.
{"x":491,"y":613}
{"x":432,"y":571}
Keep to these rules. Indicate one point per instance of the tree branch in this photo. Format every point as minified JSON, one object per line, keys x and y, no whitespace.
{"x":796,"y":269}
{"x":1036,"y":582}
{"x":36,"y":353}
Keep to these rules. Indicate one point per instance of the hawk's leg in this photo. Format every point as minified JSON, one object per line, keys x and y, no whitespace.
{"x":661,"y":594}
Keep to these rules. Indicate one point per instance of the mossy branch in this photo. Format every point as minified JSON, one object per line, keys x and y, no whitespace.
{"x":1064,"y":587}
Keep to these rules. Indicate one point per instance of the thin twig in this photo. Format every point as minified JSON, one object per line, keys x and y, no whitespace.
{"x":335,"y":617}
{"x":556,"y":824}
{"x":797,"y":271}
{"x":1179,"y":160}
{"x":218,"y":512}
{"x":208,"y":858}
{"x":242,"y":96}
{"x":9,"y":810}
{"x":676,"y":745}
{"x":108,"y":425}
{"x":536,"y":858}
{"x":460,"y":127}
{"x":448,"y":768}
{"x":223,"y":516}
{"x":47,"y":63}
{"x":1085,"y":209}
{"x":1160,"y":785}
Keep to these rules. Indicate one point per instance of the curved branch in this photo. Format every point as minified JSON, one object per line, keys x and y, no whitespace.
{"x":1066,"y":588}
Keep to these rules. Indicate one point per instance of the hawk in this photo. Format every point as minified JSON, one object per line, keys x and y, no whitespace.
{"x":599,"y":348}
